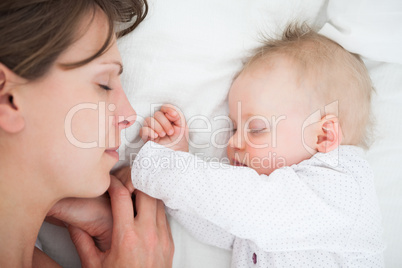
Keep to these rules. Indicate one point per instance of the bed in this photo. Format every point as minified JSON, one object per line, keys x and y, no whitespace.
{"x":186,"y":52}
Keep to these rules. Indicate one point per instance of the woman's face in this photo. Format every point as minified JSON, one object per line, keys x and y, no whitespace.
{"x":73,"y":118}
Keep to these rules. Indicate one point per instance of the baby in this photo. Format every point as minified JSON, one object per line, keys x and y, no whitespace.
{"x":298,"y":192}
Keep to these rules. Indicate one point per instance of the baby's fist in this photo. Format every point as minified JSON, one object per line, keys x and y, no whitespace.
{"x":167,"y":127}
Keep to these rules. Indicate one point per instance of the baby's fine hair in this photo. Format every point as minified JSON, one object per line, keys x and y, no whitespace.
{"x":334,"y":75}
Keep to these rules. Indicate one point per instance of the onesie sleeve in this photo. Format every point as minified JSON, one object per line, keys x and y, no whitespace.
{"x":203,"y":230}
{"x":283,"y":211}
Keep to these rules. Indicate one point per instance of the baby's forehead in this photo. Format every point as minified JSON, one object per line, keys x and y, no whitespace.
{"x":293,"y":68}
{"x":308,"y":76}
{"x":282,"y":71}
{"x":270,"y":61}
{"x":273,"y":90}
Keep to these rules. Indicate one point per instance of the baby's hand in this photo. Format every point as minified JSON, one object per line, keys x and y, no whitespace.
{"x":168,"y":128}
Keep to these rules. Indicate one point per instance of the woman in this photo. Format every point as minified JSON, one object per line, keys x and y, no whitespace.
{"x":61,"y":112}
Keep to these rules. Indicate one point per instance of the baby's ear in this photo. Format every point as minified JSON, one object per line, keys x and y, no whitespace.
{"x":329,"y":135}
{"x":11,"y":119}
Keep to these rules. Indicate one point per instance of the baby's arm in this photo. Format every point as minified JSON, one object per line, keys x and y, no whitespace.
{"x":284,"y":211}
{"x":203,"y":230}
{"x":168,"y":127}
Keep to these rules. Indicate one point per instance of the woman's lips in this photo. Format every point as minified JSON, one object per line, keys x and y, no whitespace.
{"x":113,"y":152}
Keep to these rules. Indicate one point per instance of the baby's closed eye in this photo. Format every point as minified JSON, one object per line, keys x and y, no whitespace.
{"x":260,"y":125}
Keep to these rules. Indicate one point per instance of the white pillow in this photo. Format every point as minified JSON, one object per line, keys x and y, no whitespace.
{"x":370,"y":28}
{"x":186,"y":53}
{"x":385,"y":155}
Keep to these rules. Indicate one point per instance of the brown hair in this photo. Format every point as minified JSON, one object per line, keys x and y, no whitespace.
{"x":35,"y":32}
{"x":333,"y":73}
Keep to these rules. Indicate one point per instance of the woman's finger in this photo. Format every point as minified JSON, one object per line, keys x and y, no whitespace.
{"x":165,"y":234}
{"x":124,"y":175}
{"x":86,"y":249}
{"x":169,"y":230}
{"x":155,"y":125}
{"x":160,"y":215}
{"x":146,"y":207}
{"x":171,"y":243}
{"x":122,"y":206}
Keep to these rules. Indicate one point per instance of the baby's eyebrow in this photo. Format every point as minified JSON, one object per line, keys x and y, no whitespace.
{"x":256,"y":119}
{"x":254,"y":115}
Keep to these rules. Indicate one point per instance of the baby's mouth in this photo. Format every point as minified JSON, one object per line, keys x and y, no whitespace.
{"x":238,"y":164}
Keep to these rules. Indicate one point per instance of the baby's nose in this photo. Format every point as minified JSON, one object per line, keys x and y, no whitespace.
{"x":236,"y":141}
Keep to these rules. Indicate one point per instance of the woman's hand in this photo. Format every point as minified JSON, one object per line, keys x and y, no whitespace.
{"x":143,"y":241}
{"x":124,"y":175}
{"x":93,"y":215}
{"x":166,"y":127}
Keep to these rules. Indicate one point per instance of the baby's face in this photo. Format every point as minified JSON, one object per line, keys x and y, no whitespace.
{"x":268,"y":108}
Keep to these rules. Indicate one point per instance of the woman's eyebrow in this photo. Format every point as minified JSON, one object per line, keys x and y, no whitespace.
{"x":118,"y":63}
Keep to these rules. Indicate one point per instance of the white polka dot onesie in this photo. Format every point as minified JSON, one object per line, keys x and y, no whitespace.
{"x":322,"y":212}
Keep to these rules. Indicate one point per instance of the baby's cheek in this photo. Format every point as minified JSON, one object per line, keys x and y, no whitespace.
{"x":259,"y":141}
{"x":229,"y":153}
{"x":269,"y":160}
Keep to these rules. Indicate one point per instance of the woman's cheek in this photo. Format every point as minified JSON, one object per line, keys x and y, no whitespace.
{"x":112,"y":134}
{"x":84,"y":128}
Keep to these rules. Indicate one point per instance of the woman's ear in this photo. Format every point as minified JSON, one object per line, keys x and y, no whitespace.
{"x":11,"y":119}
{"x":329,"y":135}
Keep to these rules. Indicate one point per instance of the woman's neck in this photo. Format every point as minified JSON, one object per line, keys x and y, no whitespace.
{"x":22,"y":211}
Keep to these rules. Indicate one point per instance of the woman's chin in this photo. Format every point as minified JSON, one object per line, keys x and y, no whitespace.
{"x":99,"y":186}
{"x":103,"y":186}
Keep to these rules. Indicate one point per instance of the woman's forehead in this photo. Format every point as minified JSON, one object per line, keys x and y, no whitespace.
{"x":92,"y":33}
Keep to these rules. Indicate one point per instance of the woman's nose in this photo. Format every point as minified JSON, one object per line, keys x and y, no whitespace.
{"x":126,"y":122}
{"x":125,"y":113}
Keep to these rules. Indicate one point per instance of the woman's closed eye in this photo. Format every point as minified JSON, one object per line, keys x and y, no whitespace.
{"x":105,"y":87}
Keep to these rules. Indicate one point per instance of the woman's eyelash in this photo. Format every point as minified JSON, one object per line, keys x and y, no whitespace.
{"x":105,"y":87}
